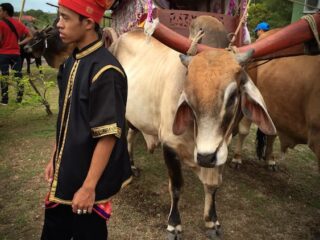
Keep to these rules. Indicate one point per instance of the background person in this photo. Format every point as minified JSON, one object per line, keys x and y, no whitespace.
{"x":261,"y":28}
{"x":11,"y":30}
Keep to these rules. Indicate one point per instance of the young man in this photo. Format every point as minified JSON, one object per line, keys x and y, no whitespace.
{"x":91,"y":162}
{"x":261,"y":28}
{"x":11,"y":31}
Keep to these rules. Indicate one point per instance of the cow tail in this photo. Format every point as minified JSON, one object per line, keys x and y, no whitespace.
{"x":261,"y":143}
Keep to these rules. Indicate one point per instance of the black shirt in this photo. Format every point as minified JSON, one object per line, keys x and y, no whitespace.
{"x":92,"y":101}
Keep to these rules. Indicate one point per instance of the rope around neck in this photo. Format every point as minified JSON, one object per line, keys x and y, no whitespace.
{"x":192,"y":51}
{"x":312,"y":23}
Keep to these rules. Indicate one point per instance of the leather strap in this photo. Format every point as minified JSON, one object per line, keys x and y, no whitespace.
{"x":12,"y":27}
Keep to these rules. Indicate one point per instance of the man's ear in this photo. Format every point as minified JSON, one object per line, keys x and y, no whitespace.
{"x":90,"y":23}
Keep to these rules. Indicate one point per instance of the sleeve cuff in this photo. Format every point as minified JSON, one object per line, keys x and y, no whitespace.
{"x":111,"y":129}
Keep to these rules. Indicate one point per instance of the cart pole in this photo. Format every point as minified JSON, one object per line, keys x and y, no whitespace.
{"x":22,"y":8}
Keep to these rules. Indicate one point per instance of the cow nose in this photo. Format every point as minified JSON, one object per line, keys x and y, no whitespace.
{"x":207,"y":160}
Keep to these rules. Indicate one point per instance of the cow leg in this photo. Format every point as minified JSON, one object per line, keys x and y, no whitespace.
{"x":175,"y":184}
{"x":244,"y":129}
{"x":131,"y":136}
{"x":38,"y":64}
{"x":271,"y":163}
{"x":210,"y":214}
{"x":28,"y":64}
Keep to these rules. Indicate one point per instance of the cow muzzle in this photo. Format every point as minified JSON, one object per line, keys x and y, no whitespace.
{"x":207,"y":160}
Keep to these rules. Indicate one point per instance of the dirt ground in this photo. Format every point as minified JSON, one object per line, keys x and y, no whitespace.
{"x":252,"y":203}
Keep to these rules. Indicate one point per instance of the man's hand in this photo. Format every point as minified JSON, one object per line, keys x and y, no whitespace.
{"x":83,"y":200}
{"x":48,"y":173}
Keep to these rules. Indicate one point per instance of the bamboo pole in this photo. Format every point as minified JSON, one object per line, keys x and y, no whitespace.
{"x":22,"y":8}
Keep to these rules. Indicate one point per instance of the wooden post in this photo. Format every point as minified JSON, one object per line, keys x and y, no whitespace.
{"x":22,"y":8}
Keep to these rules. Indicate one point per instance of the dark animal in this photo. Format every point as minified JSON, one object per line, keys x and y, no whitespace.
{"x":48,"y":44}
{"x":28,"y":56}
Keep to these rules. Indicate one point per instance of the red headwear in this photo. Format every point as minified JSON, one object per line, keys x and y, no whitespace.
{"x":89,"y":8}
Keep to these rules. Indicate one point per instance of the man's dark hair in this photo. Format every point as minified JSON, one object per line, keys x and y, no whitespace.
{"x":7,"y":7}
{"x":96,"y":26}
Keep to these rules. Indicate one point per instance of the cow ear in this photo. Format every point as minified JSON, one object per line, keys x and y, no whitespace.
{"x":183,"y":117}
{"x":254,"y":108}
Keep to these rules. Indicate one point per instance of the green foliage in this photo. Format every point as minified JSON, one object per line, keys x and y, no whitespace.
{"x":257,"y":13}
{"x":276,"y":13}
{"x":43,"y":19}
{"x":281,"y":12}
{"x":106,"y":20}
{"x":36,"y":88}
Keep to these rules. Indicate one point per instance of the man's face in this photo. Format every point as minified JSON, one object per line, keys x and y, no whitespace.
{"x":71,"y":29}
{"x":2,"y":13}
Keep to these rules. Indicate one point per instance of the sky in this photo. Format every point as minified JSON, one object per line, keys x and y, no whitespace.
{"x":33,"y":4}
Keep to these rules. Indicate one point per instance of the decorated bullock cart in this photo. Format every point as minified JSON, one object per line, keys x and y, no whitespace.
{"x":175,"y":17}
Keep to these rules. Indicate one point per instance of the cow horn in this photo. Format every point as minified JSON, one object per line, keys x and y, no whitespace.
{"x":47,"y":29}
{"x":185,"y":59}
{"x":242,"y":58}
{"x":44,"y":29}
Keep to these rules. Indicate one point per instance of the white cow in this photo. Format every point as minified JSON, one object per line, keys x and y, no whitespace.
{"x":189,"y":105}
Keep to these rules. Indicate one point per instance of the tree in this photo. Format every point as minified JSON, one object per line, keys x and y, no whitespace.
{"x":276,"y":13}
{"x":257,"y":13}
{"x":43,"y":19}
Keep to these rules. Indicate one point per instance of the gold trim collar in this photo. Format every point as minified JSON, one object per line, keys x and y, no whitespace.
{"x":89,"y":50}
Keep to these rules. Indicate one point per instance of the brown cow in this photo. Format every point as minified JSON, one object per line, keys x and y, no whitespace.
{"x":290,"y":87}
{"x":189,"y":106}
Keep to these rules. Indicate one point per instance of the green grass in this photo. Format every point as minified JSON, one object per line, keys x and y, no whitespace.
{"x":26,"y":138}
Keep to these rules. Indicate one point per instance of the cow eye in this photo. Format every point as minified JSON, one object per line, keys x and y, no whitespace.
{"x":232,"y":99}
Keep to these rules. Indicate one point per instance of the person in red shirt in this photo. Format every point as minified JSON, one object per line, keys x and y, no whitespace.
{"x":11,"y":31}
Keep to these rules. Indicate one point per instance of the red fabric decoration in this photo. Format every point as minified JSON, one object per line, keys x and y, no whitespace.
{"x":89,"y":8}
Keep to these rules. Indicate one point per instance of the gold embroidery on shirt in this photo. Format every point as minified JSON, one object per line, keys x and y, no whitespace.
{"x":89,"y":50}
{"x":105,"y":68}
{"x":64,"y":123}
{"x":106,"y":130}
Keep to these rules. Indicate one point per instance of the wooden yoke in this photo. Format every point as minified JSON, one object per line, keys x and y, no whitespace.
{"x":290,"y":35}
